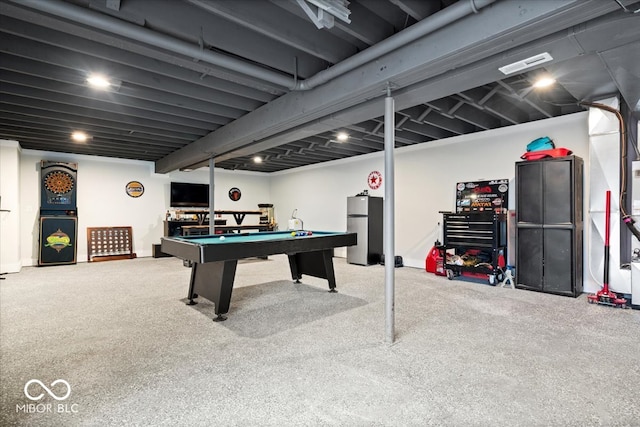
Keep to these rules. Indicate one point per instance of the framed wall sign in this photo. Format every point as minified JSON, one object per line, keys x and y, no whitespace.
{"x":482,"y":196}
{"x":134,"y":189}
{"x":374,"y":180}
{"x":235,"y":194}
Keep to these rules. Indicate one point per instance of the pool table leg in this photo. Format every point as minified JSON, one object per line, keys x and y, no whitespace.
{"x":316,"y":264}
{"x":191,"y":295}
{"x":213,"y":281}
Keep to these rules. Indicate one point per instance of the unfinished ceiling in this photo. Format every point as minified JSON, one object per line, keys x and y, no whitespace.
{"x":197,"y":79}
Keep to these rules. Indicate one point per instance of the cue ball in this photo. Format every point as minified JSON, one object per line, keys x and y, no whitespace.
{"x":221,"y":237}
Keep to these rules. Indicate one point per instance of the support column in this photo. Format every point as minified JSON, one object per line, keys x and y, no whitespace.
{"x":212,"y":214}
{"x":389,"y":221}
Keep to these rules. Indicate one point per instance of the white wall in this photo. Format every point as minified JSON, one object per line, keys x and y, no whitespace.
{"x":425,"y":178}
{"x":10,"y":204}
{"x":319,"y":193}
{"x":102,"y":200}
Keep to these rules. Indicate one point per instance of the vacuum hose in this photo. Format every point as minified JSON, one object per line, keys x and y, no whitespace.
{"x":623,"y":170}
{"x":629,"y":222}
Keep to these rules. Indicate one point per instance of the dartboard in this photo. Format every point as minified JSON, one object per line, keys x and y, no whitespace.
{"x":58,"y":182}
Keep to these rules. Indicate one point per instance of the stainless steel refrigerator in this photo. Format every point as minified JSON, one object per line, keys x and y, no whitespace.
{"x":364,"y":217}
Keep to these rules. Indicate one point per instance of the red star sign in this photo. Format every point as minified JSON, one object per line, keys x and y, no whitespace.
{"x":374,"y":180}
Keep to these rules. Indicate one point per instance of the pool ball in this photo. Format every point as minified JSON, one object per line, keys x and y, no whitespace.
{"x":221,"y":237}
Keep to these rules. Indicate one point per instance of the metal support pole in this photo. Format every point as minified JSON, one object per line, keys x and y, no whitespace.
{"x":212,"y":187}
{"x":389,"y":221}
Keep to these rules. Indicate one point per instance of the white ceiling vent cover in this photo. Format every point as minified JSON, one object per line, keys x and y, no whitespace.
{"x":541,"y":58}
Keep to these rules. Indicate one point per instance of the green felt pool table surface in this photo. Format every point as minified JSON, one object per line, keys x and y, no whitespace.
{"x":212,"y":248}
{"x":251,"y":237}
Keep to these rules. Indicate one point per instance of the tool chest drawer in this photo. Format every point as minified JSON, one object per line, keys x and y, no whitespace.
{"x":475,"y":230}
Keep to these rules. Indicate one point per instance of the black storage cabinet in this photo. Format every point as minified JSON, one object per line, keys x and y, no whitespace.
{"x":549,"y":225}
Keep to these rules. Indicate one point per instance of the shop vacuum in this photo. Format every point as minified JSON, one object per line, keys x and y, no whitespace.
{"x":604,"y":296}
{"x":434,"y":262}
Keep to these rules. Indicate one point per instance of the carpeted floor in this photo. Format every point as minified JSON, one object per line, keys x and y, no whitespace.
{"x":466,"y":354}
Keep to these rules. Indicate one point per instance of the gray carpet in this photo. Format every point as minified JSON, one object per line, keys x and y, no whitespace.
{"x":466,"y":354}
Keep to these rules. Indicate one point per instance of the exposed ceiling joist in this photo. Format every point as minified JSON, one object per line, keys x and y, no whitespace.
{"x":349,"y":93}
{"x":260,"y":80}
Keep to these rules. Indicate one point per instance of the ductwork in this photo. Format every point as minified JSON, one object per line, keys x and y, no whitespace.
{"x":113,"y":25}
{"x":432,"y":23}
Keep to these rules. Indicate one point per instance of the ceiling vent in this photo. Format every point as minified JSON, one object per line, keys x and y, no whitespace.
{"x":526,"y":63}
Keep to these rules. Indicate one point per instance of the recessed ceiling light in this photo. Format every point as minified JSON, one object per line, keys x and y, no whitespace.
{"x":257,"y":159}
{"x":342,"y":136}
{"x":79,"y":136}
{"x":544,"y":82}
{"x":98,"y":81}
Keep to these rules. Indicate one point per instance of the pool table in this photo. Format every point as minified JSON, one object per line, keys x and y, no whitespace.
{"x":214,"y":259}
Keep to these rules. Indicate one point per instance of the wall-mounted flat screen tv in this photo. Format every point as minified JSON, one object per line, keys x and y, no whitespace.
{"x":186,"y":195}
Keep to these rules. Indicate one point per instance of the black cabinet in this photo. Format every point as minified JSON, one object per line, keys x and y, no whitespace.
{"x":178,"y":227}
{"x":58,"y":240}
{"x":549,"y":225}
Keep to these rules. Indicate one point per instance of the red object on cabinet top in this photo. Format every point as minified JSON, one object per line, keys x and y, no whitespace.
{"x":554,"y":152}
